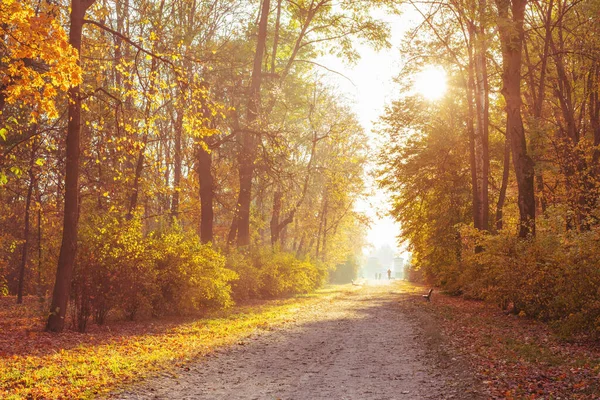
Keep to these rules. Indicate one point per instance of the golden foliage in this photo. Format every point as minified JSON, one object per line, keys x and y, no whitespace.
{"x":36,"y":61}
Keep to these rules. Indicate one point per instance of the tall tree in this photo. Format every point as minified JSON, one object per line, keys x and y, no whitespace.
{"x":68,"y":248}
{"x":511,"y":15}
{"x":249,"y":140}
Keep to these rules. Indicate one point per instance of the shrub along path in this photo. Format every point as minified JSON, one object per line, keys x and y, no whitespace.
{"x":366,"y":344}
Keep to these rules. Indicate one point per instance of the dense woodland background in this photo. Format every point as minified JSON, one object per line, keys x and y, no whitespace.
{"x":496,"y":185}
{"x":193,"y":155}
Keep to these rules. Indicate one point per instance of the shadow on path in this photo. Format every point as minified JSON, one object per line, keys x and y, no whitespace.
{"x":362,"y":346}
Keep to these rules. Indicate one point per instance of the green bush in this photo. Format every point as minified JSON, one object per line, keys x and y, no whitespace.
{"x":117,"y":268}
{"x":113,"y":270}
{"x":346,"y":272}
{"x":267,"y":273}
{"x":190,"y":275}
{"x":120,"y":269}
{"x":554,"y":277}
{"x":282,"y":274}
{"x":249,"y":284}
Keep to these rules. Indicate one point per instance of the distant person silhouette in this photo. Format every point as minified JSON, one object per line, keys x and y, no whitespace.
{"x":389,"y":274}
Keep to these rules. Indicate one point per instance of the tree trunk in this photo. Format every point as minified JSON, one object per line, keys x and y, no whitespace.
{"x":247,"y":156}
{"x":511,"y":39}
{"x":39,"y":247}
{"x":482,"y":105}
{"x":276,"y":37}
{"x":476,"y":210}
{"x":594,"y":112}
{"x":177,"y":167}
{"x":203,"y":167}
{"x":537,"y":93}
{"x":325,"y":230}
{"x":134,"y":197}
{"x":68,"y":248}
{"x":26,"y":228}
{"x":232,"y":231}
{"x":322,"y":227}
{"x":275,"y":214}
{"x":504,"y":185}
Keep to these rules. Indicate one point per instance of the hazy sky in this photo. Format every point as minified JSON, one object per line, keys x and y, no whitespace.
{"x":371,"y":89}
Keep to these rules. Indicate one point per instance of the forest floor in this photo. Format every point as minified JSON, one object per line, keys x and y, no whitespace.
{"x":381,"y":340}
{"x":39,"y":365}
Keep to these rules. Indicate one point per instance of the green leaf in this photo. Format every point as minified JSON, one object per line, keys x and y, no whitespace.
{"x":3,"y":179}
{"x":3,"y":132}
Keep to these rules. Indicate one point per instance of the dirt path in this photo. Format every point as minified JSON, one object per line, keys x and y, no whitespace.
{"x":365,"y":345}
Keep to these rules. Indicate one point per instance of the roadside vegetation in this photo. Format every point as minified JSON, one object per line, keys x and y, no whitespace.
{"x":496,"y":182}
{"x":513,"y":356}
{"x":36,"y":364}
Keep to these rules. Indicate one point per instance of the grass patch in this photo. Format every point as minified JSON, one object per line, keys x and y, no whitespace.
{"x":87,"y":366}
{"x":532,"y":353}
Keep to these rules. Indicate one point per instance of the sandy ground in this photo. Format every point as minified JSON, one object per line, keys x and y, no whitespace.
{"x":370,"y":344}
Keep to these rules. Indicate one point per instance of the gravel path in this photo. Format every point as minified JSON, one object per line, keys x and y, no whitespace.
{"x":364,"y":345}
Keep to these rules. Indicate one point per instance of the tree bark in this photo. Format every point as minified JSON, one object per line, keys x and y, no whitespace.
{"x":247,"y":156}
{"x":68,"y":248}
{"x":26,"y":227}
{"x":203,"y":168}
{"x":594,"y":107}
{"x":504,"y":185}
{"x":276,"y":37}
{"x":177,"y":167}
{"x":538,"y":94}
{"x":476,"y":210}
{"x":322,"y":227}
{"x":511,"y":40}
{"x":275,"y":214}
{"x":482,"y":105}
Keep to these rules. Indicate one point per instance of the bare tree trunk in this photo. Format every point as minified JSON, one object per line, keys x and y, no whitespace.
{"x":68,"y":248}
{"x":477,"y":220}
{"x":538,"y":99}
{"x":39,"y":248}
{"x":139,"y":167}
{"x":203,"y":168}
{"x":247,"y":156}
{"x":26,"y":227}
{"x":504,"y":185}
{"x":511,"y":38}
{"x":594,"y":112}
{"x":276,"y":37}
{"x":177,"y":167}
{"x":322,"y":227}
{"x":275,"y":214}
{"x":300,"y":249}
{"x":482,"y":105}
{"x":325,"y":230}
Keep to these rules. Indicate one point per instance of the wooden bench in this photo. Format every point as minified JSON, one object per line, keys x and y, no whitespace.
{"x":428,"y":295}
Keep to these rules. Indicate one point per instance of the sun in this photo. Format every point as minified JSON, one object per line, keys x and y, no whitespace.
{"x":430,"y":82}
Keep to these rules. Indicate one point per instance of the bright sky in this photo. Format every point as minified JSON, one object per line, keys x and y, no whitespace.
{"x":371,"y":89}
